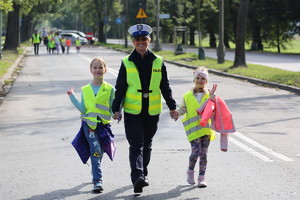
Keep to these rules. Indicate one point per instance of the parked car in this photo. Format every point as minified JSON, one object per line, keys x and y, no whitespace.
{"x":82,"y":34}
{"x":73,"y":37}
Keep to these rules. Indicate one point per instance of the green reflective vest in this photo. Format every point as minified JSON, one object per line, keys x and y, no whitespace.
{"x":133,"y":98}
{"x":36,"y":38}
{"x":77,"y":43}
{"x":191,"y":119}
{"x":97,"y":107}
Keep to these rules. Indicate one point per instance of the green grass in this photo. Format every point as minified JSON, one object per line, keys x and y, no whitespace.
{"x":253,"y":71}
{"x":293,"y":47}
{"x":8,"y":58}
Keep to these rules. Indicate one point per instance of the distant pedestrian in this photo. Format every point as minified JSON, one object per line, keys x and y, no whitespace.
{"x":200,"y":133}
{"x":68,"y":44}
{"x":45,"y":38}
{"x":78,"y":44}
{"x":36,"y":40}
{"x":51,"y":45}
{"x":95,"y":109}
{"x":63,"y":44}
{"x":57,"y":42}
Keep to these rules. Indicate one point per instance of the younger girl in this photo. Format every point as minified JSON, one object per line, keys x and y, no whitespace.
{"x":198,"y":136}
{"x":95,"y":109}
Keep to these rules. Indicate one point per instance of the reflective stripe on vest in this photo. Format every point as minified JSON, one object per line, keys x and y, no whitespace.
{"x":97,"y":106}
{"x":192,"y":119}
{"x":133,"y":98}
{"x":36,"y":38}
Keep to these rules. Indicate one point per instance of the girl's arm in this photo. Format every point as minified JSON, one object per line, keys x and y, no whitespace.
{"x":182,"y":108}
{"x":79,"y":105}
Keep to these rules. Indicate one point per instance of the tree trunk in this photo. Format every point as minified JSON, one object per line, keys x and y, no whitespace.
{"x":277,"y":37}
{"x":240,"y":58}
{"x":12,"y":30}
{"x":212,"y":39}
{"x":192,"y":36}
{"x":101,"y":36}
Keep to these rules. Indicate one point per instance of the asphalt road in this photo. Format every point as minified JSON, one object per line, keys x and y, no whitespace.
{"x":38,"y":123}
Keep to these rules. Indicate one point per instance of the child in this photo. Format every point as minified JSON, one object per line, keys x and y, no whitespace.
{"x":78,"y":44}
{"x":63,"y":44}
{"x":95,"y":108}
{"x":68,"y":44}
{"x":198,"y":136}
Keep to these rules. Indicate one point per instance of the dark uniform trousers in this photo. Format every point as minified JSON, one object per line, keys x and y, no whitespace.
{"x":140,"y":130}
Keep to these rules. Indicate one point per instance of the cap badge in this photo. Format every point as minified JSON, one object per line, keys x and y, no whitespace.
{"x":139,"y":27}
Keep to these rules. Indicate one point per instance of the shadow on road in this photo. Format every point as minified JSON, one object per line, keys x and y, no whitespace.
{"x":171,"y":194}
{"x":61,"y":194}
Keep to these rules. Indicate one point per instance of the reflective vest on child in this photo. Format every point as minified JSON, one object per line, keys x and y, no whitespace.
{"x":191,"y":120}
{"x":97,"y":106}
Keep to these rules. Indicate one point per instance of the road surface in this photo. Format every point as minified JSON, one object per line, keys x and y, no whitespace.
{"x":38,"y":123}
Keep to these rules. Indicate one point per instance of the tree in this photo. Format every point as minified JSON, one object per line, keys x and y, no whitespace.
{"x":240,"y":59}
{"x":12,"y":30}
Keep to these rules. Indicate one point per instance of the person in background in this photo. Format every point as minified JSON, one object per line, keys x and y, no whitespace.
{"x":68,"y":44}
{"x":141,"y":80}
{"x":45,"y":38}
{"x":36,"y":40}
{"x":63,"y":44}
{"x":57,"y":42}
{"x":78,"y":44}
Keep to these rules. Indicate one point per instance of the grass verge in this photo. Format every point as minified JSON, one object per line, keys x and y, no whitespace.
{"x":254,"y":71}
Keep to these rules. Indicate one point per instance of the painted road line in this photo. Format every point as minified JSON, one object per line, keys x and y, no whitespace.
{"x":260,"y":146}
{"x":249,"y":150}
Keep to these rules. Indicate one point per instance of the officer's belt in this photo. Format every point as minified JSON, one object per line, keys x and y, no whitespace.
{"x":145,"y":93}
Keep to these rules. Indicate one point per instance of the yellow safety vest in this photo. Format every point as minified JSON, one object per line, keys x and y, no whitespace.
{"x":36,"y":38}
{"x":133,"y":98}
{"x":77,"y":43}
{"x":97,"y":106}
{"x":191,"y":119}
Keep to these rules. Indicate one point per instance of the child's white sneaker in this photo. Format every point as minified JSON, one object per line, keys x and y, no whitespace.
{"x":201,"y":182}
{"x":190,"y":177}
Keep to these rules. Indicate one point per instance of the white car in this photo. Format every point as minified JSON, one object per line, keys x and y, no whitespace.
{"x":82,"y":34}
{"x":73,"y":37}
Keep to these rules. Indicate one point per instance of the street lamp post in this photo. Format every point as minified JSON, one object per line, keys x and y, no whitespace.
{"x":157,"y":44}
{"x":221,"y":46}
{"x":201,"y":53}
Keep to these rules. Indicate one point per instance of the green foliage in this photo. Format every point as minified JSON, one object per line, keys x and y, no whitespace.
{"x":6,"y":6}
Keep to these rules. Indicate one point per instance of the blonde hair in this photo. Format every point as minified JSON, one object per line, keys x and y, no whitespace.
{"x":200,"y":70}
{"x":101,"y":61}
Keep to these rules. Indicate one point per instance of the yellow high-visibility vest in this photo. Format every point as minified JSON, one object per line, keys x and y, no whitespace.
{"x":77,"y":43}
{"x":97,"y":106}
{"x":36,"y":38}
{"x":191,"y":119}
{"x":133,"y":98}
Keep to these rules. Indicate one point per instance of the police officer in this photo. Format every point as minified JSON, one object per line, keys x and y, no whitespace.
{"x":141,"y":81}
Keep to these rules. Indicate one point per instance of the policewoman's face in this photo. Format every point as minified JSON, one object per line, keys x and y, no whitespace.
{"x":141,"y":44}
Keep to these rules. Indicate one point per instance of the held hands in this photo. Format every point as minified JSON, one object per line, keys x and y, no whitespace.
{"x":174,"y":114}
{"x":117,"y":116}
{"x":70,"y":91}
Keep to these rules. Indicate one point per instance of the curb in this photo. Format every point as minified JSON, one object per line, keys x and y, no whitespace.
{"x":11,"y":75}
{"x":251,"y":80}
{"x":256,"y":81}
